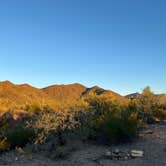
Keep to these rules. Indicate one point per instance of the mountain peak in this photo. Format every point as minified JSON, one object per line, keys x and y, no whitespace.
{"x":133,"y":95}
{"x":25,"y":85}
{"x":6,"y":83}
{"x":96,"y":87}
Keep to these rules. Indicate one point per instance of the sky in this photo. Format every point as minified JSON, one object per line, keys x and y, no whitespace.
{"x":116,"y":44}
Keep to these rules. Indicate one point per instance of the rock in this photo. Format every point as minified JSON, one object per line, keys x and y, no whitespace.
{"x":20,"y":150}
{"x":137,"y":153}
{"x":116,"y":151}
{"x":118,"y":155}
{"x":122,"y":155}
{"x":114,"y":156}
{"x":126,"y":158}
{"x":148,"y":132}
{"x":128,"y":154}
{"x":108,"y":154}
{"x":157,"y":120}
{"x":157,"y":136}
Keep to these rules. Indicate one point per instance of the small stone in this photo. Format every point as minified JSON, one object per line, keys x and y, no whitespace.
{"x":16,"y":159}
{"x":126,"y":158}
{"x":20,"y":150}
{"x":148,"y":132}
{"x":128,"y":154}
{"x":116,"y":151}
{"x":108,"y":154}
{"x":137,"y":153}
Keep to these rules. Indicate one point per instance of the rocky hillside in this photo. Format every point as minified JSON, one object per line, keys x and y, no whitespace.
{"x":100,"y":91}
{"x":13,"y":96}
{"x":65,"y":92}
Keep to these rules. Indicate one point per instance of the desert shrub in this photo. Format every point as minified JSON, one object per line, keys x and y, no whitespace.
{"x":95,"y":118}
{"x":107,"y":121}
{"x":19,"y":136}
{"x":150,"y":106}
{"x":160,"y":113}
{"x":51,"y":124}
{"x":147,"y":100}
{"x":119,"y":126}
{"x":33,"y":109}
{"x":14,"y":133}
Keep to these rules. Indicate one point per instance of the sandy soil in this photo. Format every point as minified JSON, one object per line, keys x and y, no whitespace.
{"x":153,"y":145}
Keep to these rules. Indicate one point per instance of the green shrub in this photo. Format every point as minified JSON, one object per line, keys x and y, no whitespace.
{"x":118,"y":126}
{"x":14,"y":133}
{"x":108,"y":121}
{"x":19,"y":136}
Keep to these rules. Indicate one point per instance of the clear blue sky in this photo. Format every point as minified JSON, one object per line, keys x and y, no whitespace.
{"x":116,"y":44}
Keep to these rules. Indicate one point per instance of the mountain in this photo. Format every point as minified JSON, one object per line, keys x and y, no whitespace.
{"x":14,"y":96}
{"x":65,"y":92}
{"x":100,"y":91}
{"x":133,"y":96}
{"x":72,"y":92}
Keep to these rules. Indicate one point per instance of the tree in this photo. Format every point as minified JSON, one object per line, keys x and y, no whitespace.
{"x":147,"y":100}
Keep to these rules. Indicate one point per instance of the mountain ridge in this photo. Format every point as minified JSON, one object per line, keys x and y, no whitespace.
{"x":12,"y":95}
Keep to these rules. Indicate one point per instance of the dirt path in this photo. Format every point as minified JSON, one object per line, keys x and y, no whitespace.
{"x":152,"y":143}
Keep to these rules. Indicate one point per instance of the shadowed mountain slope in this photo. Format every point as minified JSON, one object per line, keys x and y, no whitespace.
{"x":100,"y":91}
